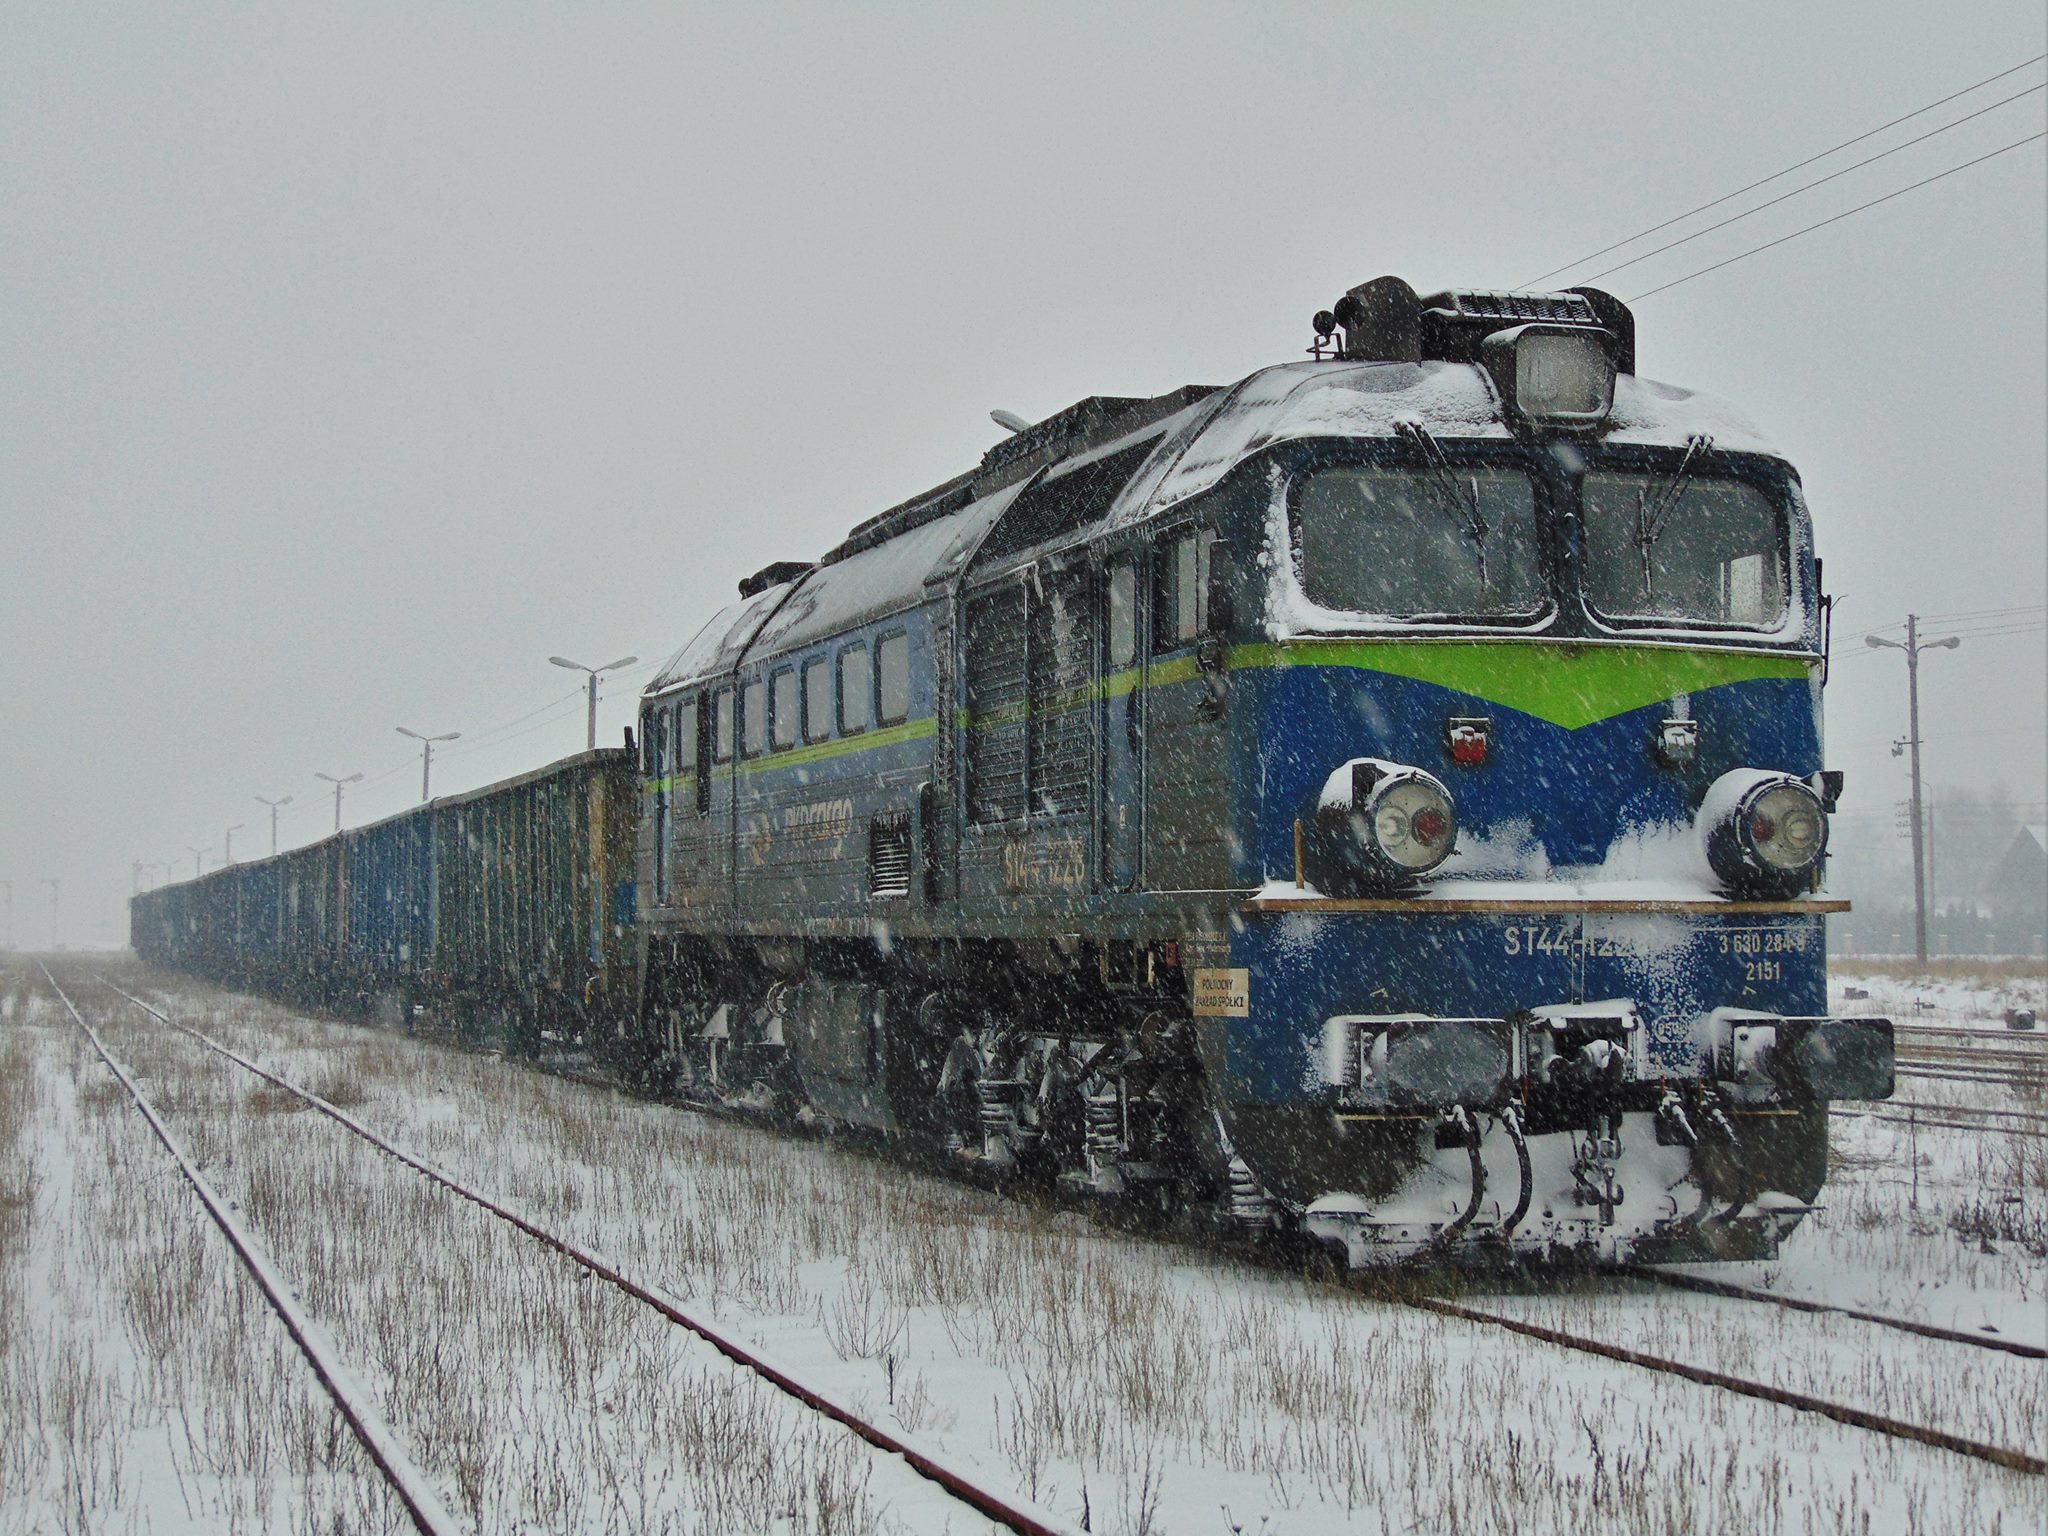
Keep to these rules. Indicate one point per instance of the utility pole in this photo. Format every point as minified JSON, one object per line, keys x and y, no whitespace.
{"x":427,"y":754}
{"x":53,"y":885}
{"x":590,"y":734}
{"x":197,"y":855}
{"x":227,"y":854}
{"x":337,"y":783}
{"x":274,"y":804}
{"x":1913,"y":645}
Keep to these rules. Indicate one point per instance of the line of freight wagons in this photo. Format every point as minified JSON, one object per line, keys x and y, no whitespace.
{"x":422,"y":910}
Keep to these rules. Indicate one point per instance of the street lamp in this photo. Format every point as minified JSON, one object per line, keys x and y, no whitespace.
{"x":590,"y":744}
{"x":227,"y":854}
{"x":1913,"y":645}
{"x":197,"y":855}
{"x":337,"y":783}
{"x":274,"y":804}
{"x":427,"y":754}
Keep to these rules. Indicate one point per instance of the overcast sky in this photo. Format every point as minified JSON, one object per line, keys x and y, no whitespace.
{"x":357,"y":359}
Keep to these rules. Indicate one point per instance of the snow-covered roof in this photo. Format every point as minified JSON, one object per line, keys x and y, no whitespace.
{"x":1453,"y":400}
{"x":882,"y":580}
{"x":718,"y":646}
{"x":1196,"y":447}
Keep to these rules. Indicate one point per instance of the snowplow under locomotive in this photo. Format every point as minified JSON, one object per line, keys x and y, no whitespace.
{"x":1382,"y":799}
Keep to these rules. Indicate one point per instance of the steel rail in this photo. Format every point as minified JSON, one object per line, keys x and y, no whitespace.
{"x":414,"y":1491}
{"x":1027,"y":1522}
{"x":2023,"y":1038}
{"x":1841,"y":1413}
{"x":2039,"y":1129}
{"x":1728,"y":1288}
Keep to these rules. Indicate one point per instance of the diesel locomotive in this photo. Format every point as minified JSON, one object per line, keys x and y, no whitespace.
{"x":1381,"y":799}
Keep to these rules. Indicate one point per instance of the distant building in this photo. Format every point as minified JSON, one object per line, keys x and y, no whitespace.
{"x":2016,"y":896}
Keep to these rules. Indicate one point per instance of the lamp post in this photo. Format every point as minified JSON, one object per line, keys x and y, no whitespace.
{"x":590,"y":736}
{"x":337,"y":783}
{"x":1913,"y":645}
{"x":427,"y":755}
{"x":227,"y":853}
{"x":197,"y":855}
{"x":274,"y":804}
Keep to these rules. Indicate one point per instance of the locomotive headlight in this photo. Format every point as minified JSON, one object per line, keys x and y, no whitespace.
{"x":1412,"y":823}
{"x":1553,"y":376}
{"x":1765,"y":832}
{"x":1380,"y":825}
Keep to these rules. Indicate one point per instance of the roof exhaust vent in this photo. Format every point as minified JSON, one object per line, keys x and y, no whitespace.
{"x":774,"y":576}
{"x":1386,"y":321}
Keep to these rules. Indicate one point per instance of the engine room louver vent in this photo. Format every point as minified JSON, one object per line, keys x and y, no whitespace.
{"x":995,"y":705}
{"x":889,"y":856}
{"x":1060,"y":729}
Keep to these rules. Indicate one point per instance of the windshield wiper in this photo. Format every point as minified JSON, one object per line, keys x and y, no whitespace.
{"x":1655,"y":503}
{"x":1460,"y":500}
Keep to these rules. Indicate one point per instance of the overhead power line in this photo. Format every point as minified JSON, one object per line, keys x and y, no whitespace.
{"x":1737,"y":218}
{"x":2032,"y":138}
{"x":1787,"y":171}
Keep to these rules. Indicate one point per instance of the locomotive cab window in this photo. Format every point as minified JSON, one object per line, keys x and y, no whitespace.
{"x":817,"y":698}
{"x":1418,"y":544}
{"x":856,"y":684}
{"x":754,"y":718}
{"x":722,"y":732}
{"x":892,"y":679}
{"x":782,"y":720}
{"x":1678,"y":551}
{"x":1180,"y":600}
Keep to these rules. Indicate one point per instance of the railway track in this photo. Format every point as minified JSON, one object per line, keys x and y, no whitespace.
{"x":1031,"y":1521}
{"x":1002,"y":1508}
{"x":1705,"y":1286}
{"x":1841,"y":1413}
{"x":422,"y":1505}
{"x":1948,"y":1117}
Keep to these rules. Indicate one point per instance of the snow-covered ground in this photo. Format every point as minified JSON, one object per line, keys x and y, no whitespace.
{"x":1130,"y":1384}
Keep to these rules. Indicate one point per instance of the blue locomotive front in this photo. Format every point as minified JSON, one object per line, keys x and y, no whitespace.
{"x":1382,"y":798}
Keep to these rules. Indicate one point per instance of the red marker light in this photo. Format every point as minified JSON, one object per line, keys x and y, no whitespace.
{"x":1429,"y":826}
{"x":1466,"y":741}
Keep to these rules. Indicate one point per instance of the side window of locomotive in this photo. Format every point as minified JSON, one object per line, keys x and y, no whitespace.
{"x":1180,"y":595}
{"x":782,"y":720}
{"x":722,"y":732}
{"x":1405,"y":544}
{"x":856,"y":684}
{"x":817,"y":699}
{"x":1123,"y":614}
{"x":892,"y":679}
{"x":683,"y":758}
{"x":754,"y":718}
{"x":1694,"y":551}
{"x":650,"y":755}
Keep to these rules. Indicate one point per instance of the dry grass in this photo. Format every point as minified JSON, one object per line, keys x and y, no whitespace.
{"x":1126,"y":1368}
{"x":145,"y":1385}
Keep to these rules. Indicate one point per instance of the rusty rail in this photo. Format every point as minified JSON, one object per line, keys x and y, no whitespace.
{"x":406,"y":1480}
{"x":1006,"y":1511}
